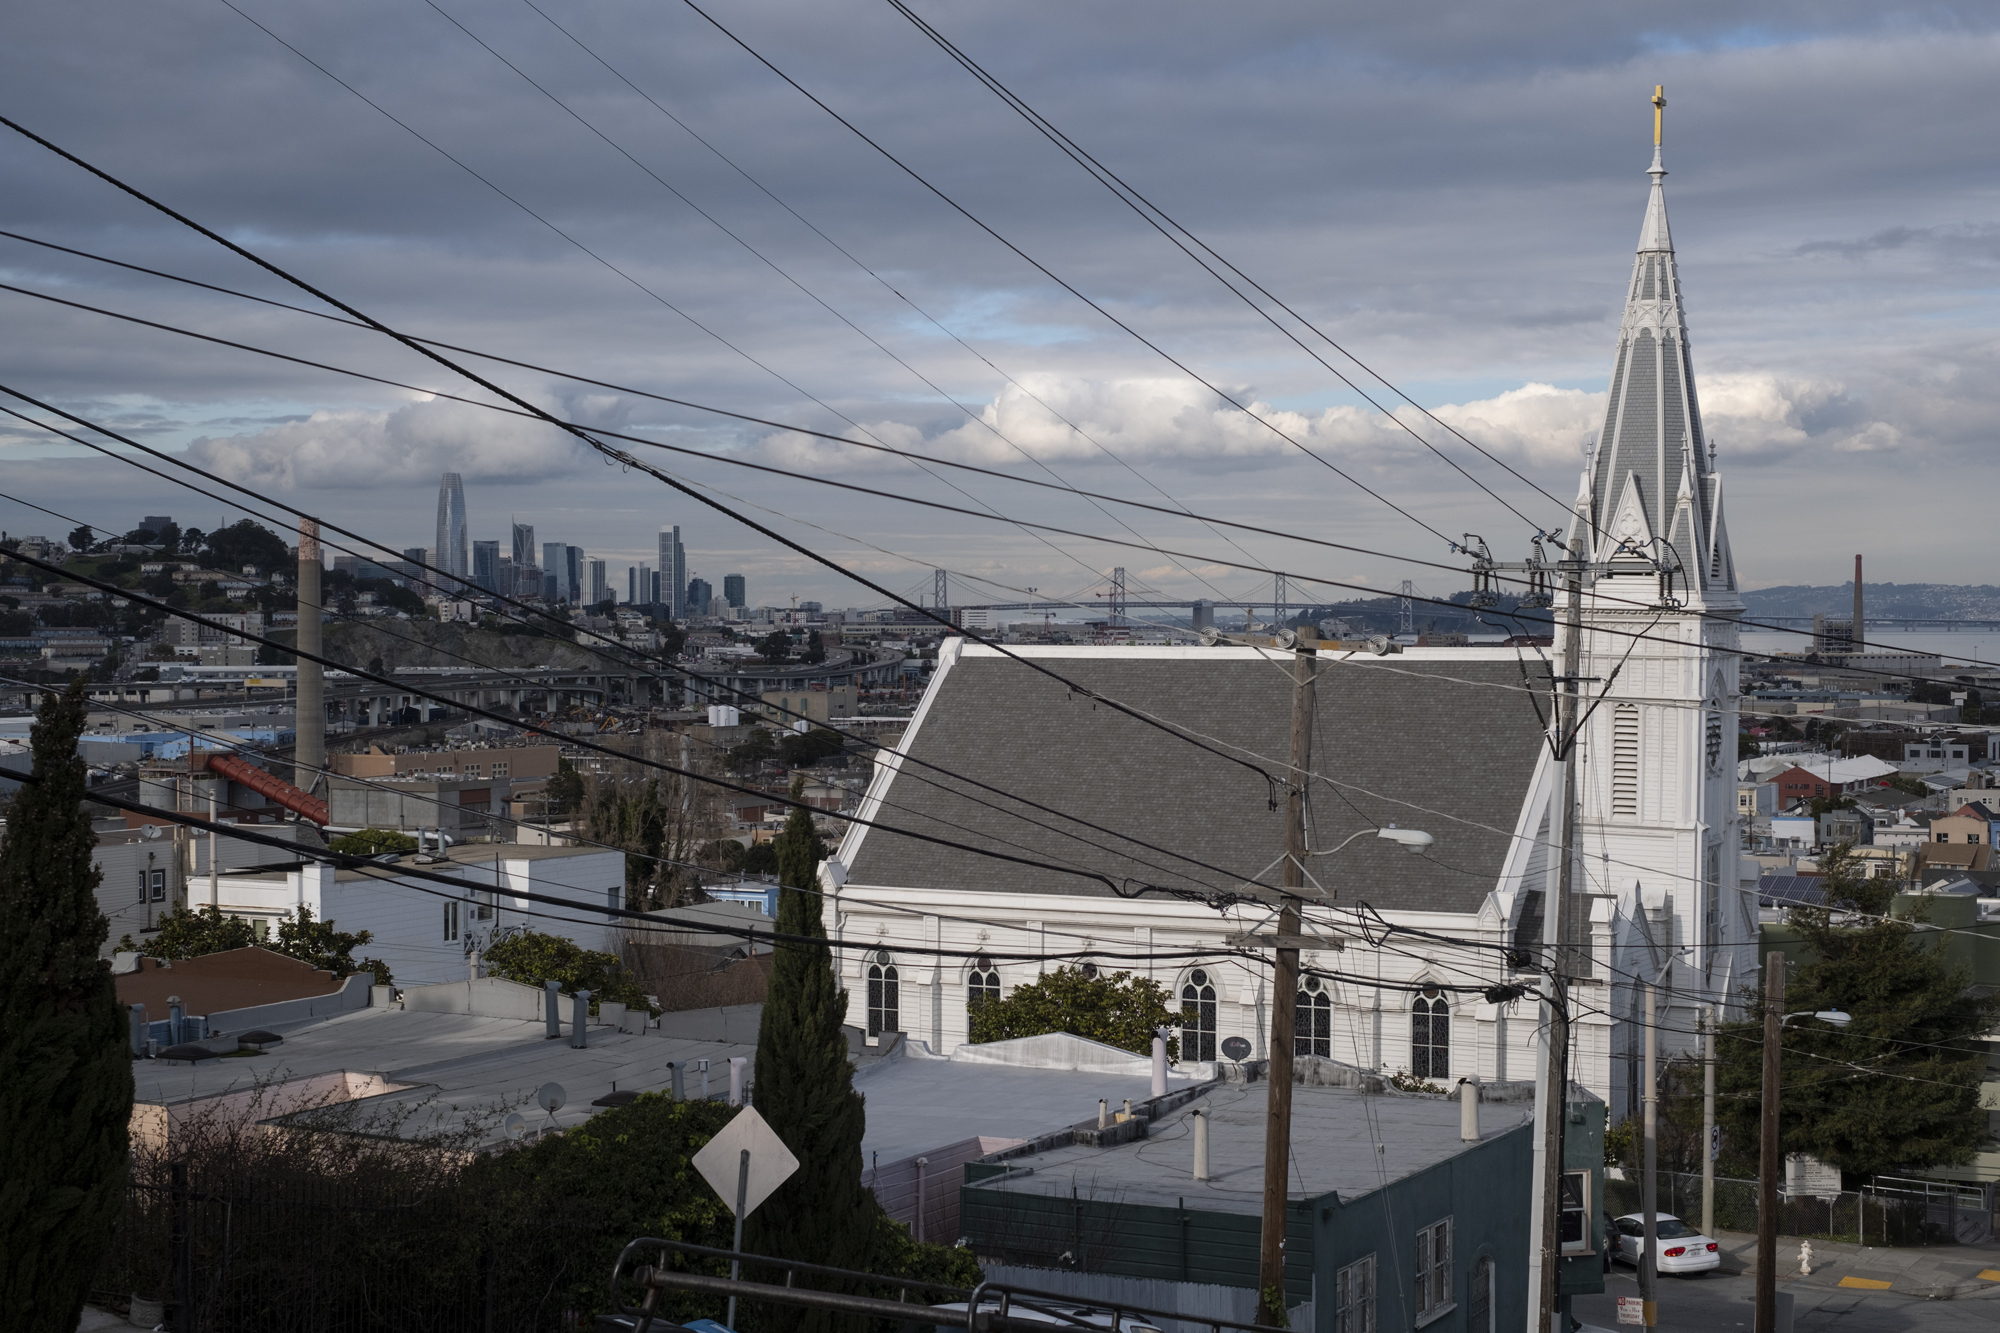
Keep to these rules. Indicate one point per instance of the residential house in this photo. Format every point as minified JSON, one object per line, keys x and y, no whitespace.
{"x":426,"y":931}
{"x":1756,"y":799}
{"x":1856,"y":827}
{"x":1968,"y":824}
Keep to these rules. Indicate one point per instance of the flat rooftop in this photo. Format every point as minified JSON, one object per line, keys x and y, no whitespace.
{"x":476,"y":1069}
{"x":916,"y":1104}
{"x":1344,"y":1141}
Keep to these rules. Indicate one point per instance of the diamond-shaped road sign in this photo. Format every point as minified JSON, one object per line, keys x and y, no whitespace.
{"x":721,"y":1162}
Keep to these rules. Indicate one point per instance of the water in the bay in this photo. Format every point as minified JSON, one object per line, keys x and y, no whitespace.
{"x":1980,"y":647}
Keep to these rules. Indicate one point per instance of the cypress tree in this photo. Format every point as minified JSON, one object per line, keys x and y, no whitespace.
{"x":65,"y":1067}
{"x":805,"y":1089}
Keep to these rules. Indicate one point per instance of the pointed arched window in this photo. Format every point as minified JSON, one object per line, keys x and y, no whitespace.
{"x":1198,"y":1017}
{"x":1430,"y":1034}
{"x":885,"y":994}
{"x":1312,"y":1023}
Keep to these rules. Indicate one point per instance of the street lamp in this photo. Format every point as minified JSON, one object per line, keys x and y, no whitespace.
{"x":1410,"y":839}
{"x":1775,"y":1020}
{"x":1284,"y":1006}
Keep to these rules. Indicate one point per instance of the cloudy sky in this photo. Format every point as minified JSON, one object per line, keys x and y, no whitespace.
{"x":1450,"y":192}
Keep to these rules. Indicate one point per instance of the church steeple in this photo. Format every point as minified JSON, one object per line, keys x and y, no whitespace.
{"x":1650,"y":484}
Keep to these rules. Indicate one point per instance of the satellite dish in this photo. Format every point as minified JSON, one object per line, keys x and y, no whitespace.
{"x":550,"y":1097}
{"x":150,"y":832}
{"x":516,"y":1125}
{"x":1236,"y":1048}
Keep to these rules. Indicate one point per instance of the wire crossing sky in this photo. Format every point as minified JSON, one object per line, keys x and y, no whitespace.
{"x":1453,"y":199}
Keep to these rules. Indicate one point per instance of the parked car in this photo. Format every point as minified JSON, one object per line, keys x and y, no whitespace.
{"x":1683,"y":1250}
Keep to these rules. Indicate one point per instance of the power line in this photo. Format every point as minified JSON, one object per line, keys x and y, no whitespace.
{"x":713,"y":683}
{"x":143,"y":600}
{"x":1173,"y":231}
{"x":1164,"y":355}
{"x":1520,"y":615}
{"x":887,"y":286}
{"x":466,"y":167}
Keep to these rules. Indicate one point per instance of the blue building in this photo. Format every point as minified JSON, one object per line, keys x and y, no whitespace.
{"x":1393,"y":1221}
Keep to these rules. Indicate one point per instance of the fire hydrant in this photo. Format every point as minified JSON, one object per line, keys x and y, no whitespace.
{"x":1805,"y":1259}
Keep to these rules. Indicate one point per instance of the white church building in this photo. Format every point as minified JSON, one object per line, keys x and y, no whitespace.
{"x":1137,"y":851}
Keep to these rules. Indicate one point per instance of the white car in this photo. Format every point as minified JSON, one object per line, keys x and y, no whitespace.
{"x":1683,"y":1250}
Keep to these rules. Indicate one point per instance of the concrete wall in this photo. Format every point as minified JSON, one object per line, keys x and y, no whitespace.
{"x":352,"y":995}
{"x":487,"y":997}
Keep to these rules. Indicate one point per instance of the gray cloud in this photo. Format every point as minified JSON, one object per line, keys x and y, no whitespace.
{"x":1455,"y":194}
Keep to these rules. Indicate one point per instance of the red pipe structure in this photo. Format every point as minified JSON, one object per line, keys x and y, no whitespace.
{"x":284,"y":793}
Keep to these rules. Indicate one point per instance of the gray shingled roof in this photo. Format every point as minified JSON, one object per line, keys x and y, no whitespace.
{"x":1400,"y":726}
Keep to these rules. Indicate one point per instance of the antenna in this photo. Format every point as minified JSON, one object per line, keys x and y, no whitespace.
{"x":550,"y":1097}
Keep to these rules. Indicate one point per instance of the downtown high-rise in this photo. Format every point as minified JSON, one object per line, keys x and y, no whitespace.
{"x":673,"y":572}
{"x":452,"y":555}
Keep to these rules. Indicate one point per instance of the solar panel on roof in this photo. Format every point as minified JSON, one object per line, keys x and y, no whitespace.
{"x":1789,"y":891}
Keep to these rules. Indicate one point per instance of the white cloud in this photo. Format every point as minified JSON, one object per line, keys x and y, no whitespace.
{"x":411,"y":445}
{"x":1053,"y":418}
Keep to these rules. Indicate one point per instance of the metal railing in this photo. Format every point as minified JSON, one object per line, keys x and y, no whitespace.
{"x":1008,"y":1301}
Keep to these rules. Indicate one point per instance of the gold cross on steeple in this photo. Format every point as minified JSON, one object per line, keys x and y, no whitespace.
{"x":1659,"y":110}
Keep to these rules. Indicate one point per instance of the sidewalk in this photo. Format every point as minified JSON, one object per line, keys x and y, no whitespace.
{"x":1939,"y":1273}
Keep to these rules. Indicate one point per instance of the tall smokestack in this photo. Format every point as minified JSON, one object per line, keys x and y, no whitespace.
{"x":309,"y":754}
{"x":1854,"y":644}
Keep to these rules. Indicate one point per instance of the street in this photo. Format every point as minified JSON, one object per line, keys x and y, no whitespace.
{"x":1722,"y":1302}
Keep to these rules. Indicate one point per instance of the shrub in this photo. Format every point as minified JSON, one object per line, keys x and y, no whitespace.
{"x":1120,"y":1010}
{"x":373,"y":842}
{"x":535,"y":959}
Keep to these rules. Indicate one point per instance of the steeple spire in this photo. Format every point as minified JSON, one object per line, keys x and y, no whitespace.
{"x":1653,"y":234}
{"x":1651,"y":485}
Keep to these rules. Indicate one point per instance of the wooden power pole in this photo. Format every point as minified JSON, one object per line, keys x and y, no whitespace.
{"x":1546,"y":1257}
{"x":1284,"y":1001}
{"x":1770,"y":1162}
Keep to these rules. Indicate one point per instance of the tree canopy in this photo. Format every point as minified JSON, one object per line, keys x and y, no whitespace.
{"x":1899,"y":1088}
{"x":1120,"y":1010}
{"x":65,"y":1068}
{"x":805,"y":1089}
{"x":535,"y":959}
{"x":318,"y":943}
{"x":246,"y":542}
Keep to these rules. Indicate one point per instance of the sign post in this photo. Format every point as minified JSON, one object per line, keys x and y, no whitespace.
{"x":744,"y":1165}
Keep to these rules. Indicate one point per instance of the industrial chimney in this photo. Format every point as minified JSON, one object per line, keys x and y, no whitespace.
{"x":309,"y":702}
{"x":1856,"y":637}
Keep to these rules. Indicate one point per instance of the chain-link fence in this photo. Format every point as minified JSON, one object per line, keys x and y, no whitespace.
{"x":1891,"y":1212}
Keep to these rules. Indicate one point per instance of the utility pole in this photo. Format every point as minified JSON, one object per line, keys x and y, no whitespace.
{"x":1649,"y":1183}
{"x":1285,"y":999}
{"x":1767,"y":1167}
{"x":1545,"y":1254}
{"x":1708,"y":1119}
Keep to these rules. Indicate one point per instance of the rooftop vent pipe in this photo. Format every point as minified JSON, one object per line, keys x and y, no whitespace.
{"x":1468,"y":1110}
{"x":550,"y":1014}
{"x":1200,"y":1144}
{"x":579,"y":1020}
